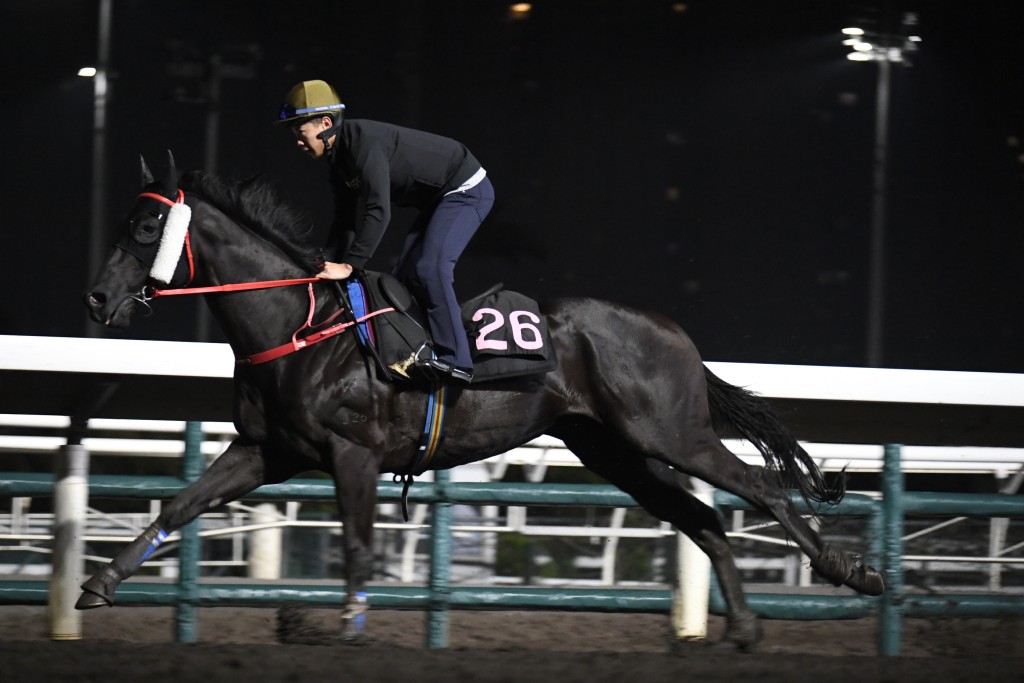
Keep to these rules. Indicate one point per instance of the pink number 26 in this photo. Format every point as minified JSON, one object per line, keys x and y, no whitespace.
{"x":520,"y":321}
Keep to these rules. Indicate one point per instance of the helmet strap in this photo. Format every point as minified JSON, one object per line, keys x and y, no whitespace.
{"x":326,"y":135}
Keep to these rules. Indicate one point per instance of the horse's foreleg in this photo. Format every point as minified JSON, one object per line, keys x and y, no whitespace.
{"x":239,"y":470}
{"x":355,"y":473}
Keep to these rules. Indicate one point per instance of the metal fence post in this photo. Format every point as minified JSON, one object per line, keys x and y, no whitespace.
{"x":892,"y":539}
{"x":70,"y":498}
{"x":189,"y":551}
{"x":692,"y":589}
{"x":440,"y":563}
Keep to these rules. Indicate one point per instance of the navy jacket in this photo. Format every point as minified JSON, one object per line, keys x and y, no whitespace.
{"x":375,"y":166}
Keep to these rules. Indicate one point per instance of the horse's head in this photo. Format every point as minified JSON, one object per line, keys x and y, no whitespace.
{"x":148,"y":248}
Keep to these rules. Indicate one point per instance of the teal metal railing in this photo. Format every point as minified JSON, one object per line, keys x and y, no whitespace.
{"x":884,"y":522}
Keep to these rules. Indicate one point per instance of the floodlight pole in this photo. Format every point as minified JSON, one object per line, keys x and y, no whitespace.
{"x":883,"y":54}
{"x":98,"y":206}
{"x":217,"y":71}
{"x":876,"y":264}
{"x":211,"y":143}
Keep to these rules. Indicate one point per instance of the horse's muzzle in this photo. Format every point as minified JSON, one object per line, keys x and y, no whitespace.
{"x":101,"y":311}
{"x":96,"y":302}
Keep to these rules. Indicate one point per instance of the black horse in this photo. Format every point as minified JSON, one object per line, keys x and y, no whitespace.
{"x":630,"y":397}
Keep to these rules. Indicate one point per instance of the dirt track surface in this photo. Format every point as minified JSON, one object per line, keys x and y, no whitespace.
{"x":241,"y":644}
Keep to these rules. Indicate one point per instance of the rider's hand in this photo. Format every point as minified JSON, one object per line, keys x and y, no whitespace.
{"x":335,"y":271}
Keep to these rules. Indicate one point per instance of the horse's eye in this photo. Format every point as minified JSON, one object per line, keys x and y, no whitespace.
{"x":145,"y":230}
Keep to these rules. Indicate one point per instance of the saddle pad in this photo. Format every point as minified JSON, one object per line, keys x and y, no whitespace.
{"x":508,"y":336}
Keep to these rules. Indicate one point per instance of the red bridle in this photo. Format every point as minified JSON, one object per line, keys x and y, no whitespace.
{"x":188,"y":244}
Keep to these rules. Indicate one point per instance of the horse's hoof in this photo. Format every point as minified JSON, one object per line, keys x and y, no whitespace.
{"x":354,"y":638}
{"x":866,"y":580}
{"x":90,"y":600}
{"x":353,"y":621}
{"x":295,"y":628}
{"x":98,"y":591}
{"x":353,"y":630}
{"x":845,"y":569}
{"x":743,"y":631}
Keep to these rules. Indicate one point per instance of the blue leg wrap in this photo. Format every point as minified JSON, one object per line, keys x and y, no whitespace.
{"x":160,"y":537}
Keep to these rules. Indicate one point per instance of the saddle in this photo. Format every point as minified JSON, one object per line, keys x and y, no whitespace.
{"x":507,"y":334}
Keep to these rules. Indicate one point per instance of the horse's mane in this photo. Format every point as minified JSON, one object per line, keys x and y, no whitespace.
{"x":257,"y":205}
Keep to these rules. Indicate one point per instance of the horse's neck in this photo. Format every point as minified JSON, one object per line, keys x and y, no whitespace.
{"x":227,"y":253}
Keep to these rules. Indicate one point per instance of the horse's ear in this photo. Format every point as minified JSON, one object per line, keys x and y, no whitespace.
{"x":147,"y":176}
{"x":172,"y":176}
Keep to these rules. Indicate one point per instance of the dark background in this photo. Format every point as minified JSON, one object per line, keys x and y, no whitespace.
{"x":713,"y":164}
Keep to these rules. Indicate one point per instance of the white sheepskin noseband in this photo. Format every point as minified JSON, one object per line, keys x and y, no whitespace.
{"x":171,"y":243}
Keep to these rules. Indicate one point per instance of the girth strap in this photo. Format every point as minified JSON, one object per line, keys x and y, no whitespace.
{"x":430,"y":440}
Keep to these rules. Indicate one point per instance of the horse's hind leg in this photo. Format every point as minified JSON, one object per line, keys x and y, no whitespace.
{"x":239,"y":470}
{"x":674,"y":426}
{"x":642,"y":377}
{"x":662,"y":492}
{"x":714,"y":463}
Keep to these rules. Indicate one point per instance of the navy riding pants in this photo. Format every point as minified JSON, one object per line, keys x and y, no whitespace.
{"x":428,"y":260}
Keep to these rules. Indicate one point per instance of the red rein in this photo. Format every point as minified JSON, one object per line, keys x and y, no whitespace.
{"x":296,"y":344}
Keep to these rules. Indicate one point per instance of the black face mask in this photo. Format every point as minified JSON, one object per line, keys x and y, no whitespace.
{"x":141,"y":235}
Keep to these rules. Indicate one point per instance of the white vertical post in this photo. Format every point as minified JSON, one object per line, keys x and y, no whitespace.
{"x":693,"y":581}
{"x":996,"y":540}
{"x":411,"y":542}
{"x":265,"y":551}
{"x":70,"y":498}
{"x":20,"y":506}
{"x":611,"y":548}
{"x":489,"y":551}
{"x":997,"y":531}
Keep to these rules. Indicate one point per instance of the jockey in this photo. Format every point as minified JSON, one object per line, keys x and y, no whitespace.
{"x":376,"y":165}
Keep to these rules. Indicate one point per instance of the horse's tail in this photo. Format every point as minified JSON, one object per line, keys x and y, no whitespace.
{"x":757,"y":422}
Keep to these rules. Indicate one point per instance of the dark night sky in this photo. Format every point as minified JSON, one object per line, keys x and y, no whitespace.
{"x":713,"y":165}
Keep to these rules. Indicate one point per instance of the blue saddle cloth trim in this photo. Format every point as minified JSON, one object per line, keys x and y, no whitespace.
{"x":357,"y":296}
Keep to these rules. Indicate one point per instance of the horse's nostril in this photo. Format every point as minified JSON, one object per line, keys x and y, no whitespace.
{"x":96,"y":299}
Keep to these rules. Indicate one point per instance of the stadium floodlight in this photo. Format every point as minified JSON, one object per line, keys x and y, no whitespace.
{"x":884,"y":49}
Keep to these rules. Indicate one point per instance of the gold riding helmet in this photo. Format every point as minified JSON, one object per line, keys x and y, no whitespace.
{"x":308,"y":99}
